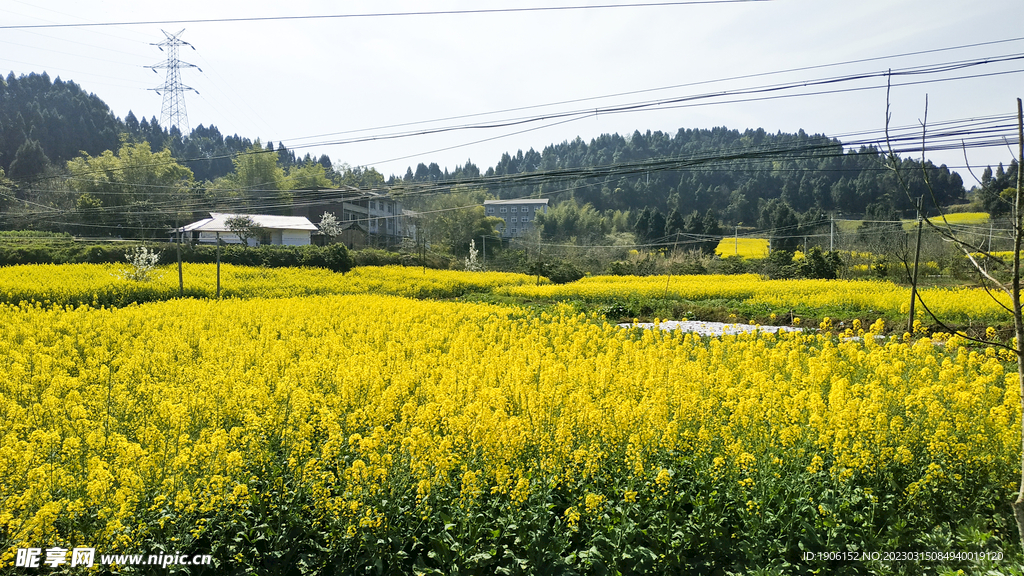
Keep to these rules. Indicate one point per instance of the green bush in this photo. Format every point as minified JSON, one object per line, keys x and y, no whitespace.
{"x":562,"y":272}
{"x":820,"y":265}
{"x":334,"y":257}
{"x":375,"y":257}
{"x":731,"y":265}
{"x":779,"y":265}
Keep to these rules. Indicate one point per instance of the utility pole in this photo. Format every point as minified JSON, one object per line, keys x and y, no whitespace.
{"x":172,"y":112}
{"x":917,"y":257}
{"x":832,"y":233}
{"x":989,"y":242}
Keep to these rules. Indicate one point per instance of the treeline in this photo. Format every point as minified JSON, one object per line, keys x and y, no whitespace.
{"x":735,"y":174}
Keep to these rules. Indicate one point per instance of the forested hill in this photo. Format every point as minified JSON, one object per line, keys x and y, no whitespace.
{"x":45,"y":123}
{"x":731,"y":172}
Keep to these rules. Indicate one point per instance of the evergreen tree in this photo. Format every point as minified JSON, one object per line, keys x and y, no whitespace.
{"x":781,"y":223}
{"x":712,"y":233}
{"x":29,"y":162}
{"x":642,"y":226}
{"x":657,"y":227}
{"x":674,"y":224}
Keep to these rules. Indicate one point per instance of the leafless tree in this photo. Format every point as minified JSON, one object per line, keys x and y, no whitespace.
{"x":993,"y":285}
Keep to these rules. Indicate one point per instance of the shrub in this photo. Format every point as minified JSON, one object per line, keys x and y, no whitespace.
{"x":818,"y":265}
{"x":562,"y":272}
{"x":731,"y":265}
{"x":779,"y":265}
{"x":336,"y":258}
{"x":375,"y":257}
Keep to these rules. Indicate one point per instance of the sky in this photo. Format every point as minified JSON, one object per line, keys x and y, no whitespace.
{"x":363,"y":89}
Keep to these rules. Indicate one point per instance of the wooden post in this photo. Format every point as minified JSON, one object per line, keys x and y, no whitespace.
{"x":218,"y":265}
{"x":181,"y":280}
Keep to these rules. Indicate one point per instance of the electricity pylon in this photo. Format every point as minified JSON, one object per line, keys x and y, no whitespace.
{"x":173,"y":113}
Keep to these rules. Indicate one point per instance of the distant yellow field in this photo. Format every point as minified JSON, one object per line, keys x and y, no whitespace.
{"x":957,"y":218}
{"x":745,"y":247}
{"x":850,"y":226}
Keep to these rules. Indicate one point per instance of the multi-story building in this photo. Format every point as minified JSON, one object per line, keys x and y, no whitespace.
{"x":376,"y":213}
{"x":380,"y":214}
{"x":518,"y":214}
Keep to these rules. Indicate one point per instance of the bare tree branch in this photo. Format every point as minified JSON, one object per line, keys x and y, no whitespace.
{"x":968,"y":163}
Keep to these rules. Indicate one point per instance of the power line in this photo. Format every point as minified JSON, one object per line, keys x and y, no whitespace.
{"x":385,"y":14}
{"x":672,"y":87}
{"x":945,"y":134}
{"x":761,"y":92}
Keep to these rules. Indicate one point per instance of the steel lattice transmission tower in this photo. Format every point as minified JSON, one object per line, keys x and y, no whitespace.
{"x":173,"y":113}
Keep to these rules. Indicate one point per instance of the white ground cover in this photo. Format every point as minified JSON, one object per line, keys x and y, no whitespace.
{"x":710,"y":328}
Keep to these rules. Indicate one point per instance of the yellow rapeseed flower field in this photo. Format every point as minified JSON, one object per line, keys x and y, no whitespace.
{"x":383,"y":416}
{"x":743,"y":247}
{"x":876,"y":296}
{"x":104,"y":285}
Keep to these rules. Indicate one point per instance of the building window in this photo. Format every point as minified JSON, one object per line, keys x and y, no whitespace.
{"x":503,"y":209}
{"x":513,"y":231}
{"x":391,"y":208}
{"x":490,"y":210}
{"x":525,"y":219}
{"x":513,"y":209}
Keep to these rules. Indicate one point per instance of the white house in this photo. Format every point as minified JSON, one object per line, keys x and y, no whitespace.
{"x":282,"y":230}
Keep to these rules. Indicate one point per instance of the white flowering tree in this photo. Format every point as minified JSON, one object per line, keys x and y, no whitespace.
{"x":329,"y":226}
{"x":142,"y":263}
{"x":471,"y":262}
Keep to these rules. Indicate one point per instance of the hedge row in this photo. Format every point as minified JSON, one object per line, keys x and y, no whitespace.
{"x":334,"y":257}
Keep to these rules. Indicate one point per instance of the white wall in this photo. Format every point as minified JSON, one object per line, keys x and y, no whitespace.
{"x":295,"y":237}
